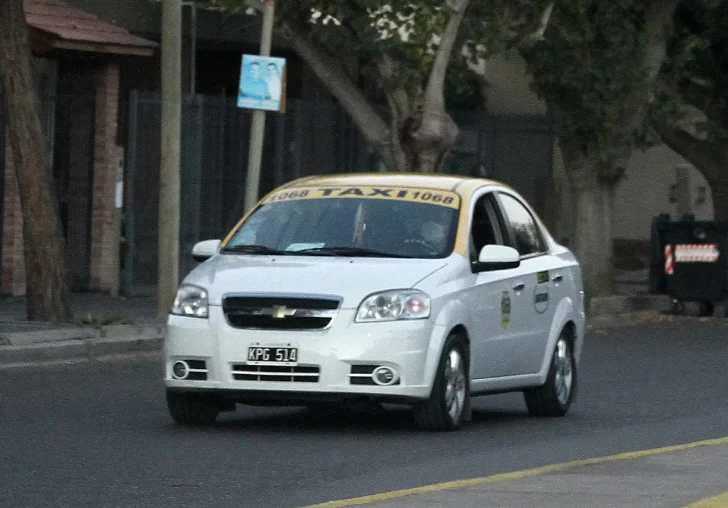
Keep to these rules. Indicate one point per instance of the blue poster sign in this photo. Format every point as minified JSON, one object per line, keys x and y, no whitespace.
{"x":262,"y":83}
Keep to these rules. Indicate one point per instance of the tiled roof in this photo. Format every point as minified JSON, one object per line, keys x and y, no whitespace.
{"x":76,"y":26}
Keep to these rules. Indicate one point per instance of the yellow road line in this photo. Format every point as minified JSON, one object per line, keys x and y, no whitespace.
{"x":517,"y":475}
{"x":719,"y":501}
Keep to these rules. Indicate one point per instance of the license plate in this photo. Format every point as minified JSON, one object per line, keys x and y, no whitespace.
{"x":276,"y":355}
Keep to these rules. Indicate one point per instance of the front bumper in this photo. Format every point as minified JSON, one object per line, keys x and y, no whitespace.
{"x":341,"y":356}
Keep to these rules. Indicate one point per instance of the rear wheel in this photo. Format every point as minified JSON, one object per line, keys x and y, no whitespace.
{"x":554,"y":397}
{"x":193,"y":408}
{"x":449,"y":404}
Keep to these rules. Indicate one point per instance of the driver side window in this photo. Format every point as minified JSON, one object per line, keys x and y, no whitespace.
{"x":485,"y":226}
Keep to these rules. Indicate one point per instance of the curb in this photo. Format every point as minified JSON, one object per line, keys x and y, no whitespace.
{"x":24,"y":344}
{"x":52,"y":346}
{"x":617,"y":305}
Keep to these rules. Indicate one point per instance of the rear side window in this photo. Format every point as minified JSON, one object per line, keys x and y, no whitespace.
{"x":523,"y":227}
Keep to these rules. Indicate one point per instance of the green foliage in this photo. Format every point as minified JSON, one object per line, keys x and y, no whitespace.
{"x":588,"y":69}
{"x":696,"y":72}
{"x":463,"y":88}
{"x":408,"y":32}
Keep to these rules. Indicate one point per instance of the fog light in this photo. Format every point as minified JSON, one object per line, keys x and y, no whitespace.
{"x":180,"y":370}
{"x":384,"y":376}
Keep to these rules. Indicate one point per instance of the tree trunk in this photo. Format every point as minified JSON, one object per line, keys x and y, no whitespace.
{"x":426,"y":140}
{"x":48,"y":294}
{"x":592,"y":225}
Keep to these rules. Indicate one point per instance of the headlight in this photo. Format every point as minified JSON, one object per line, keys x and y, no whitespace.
{"x":190,"y":301}
{"x":394,"y":305}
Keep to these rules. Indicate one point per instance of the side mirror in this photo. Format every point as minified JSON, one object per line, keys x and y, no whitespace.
{"x":497,"y":257}
{"x":202,"y":251}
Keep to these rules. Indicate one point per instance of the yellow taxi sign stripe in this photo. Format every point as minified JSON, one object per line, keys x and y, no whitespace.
{"x":518,"y":475}
{"x":410,"y":194}
{"x":719,"y":501}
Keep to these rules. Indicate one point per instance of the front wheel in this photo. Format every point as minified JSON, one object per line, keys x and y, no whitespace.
{"x":449,"y":404}
{"x":193,"y":408}
{"x":554,"y":397}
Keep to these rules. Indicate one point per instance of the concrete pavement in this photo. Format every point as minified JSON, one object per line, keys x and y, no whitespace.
{"x":104,"y":327}
{"x":693,"y":475}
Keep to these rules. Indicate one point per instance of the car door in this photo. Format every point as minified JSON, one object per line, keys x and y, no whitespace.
{"x":536,"y":286}
{"x":489,"y":296}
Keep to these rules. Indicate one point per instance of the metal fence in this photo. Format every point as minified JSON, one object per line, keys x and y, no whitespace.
{"x":310,"y":138}
{"x":3,"y":128}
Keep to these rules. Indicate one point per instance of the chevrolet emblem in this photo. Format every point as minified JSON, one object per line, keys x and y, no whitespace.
{"x":279,"y":312}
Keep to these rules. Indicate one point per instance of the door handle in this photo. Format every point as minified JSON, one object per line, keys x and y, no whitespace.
{"x":558,"y":278}
{"x":519,"y":287}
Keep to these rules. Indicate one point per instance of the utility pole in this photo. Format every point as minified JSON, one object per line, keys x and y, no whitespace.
{"x":169,"y":174}
{"x":257,"y":129}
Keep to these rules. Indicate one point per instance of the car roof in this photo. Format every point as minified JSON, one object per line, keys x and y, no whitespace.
{"x":463,"y":185}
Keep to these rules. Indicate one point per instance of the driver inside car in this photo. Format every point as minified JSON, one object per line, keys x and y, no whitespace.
{"x":432,"y":233}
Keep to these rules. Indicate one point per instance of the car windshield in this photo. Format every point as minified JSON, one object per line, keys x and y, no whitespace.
{"x":360,"y":222}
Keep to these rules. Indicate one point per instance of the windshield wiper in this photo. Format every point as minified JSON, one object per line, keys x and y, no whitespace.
{"x":252,"y":249}
{"x":349,"y":251}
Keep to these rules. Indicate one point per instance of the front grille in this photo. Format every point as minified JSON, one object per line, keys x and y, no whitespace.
{"x":299,"y":374}
{"x":280,"y":313}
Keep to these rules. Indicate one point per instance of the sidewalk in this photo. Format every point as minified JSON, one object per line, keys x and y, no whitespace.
{"x":141,"y":310}
{"x":103,"y":327}
{"x":694,"y":475}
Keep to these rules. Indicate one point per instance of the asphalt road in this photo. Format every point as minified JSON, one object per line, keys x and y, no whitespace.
{"x":101,"y":436}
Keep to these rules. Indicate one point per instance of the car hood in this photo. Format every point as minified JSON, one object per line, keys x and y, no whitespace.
{"x":350,"y":278}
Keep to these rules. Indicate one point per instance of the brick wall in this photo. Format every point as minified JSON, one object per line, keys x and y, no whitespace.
{"x":13,"y":259}
{"x":104,"y":217}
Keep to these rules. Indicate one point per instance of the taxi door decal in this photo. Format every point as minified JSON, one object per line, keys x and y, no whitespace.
{"x":541,"y":292}
{"x":505,"y":309}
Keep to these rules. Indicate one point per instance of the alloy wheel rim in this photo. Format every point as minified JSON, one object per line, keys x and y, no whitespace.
{"x":564,"y":375}
{"x":455,"y":385}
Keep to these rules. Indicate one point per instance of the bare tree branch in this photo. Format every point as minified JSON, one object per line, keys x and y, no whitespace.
{"x":387,"y":68}
{"x":372,"y":126}
{"x":658,"y":16}
{"x":434,"y":94}
{"x":542,"y":26}
{"x":705,"y":99}
{"x":708,"y":156}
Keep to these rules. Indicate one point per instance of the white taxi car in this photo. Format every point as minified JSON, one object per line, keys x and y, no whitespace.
{"x":422,"y":290}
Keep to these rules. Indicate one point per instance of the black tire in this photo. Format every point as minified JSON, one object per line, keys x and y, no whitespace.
{"x":193,"y":408}
{"x":547,"y":399}
{"x":433,"y":414}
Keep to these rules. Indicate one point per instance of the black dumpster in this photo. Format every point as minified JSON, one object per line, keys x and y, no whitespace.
{"x":694,"y":262}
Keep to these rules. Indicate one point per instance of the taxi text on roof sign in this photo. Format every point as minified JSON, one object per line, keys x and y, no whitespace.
{"x":412,"y":194}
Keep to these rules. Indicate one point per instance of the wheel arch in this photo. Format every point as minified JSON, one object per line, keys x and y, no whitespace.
{"x":570,"y":329}
{"x":564,"y":319}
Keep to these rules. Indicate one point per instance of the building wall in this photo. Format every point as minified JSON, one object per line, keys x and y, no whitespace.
{"x":646,"y":193}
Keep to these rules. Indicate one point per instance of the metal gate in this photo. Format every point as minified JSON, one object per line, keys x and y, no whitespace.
{"x":313,"y":137}
{"x":3,"y":130}
{"x":309,"y":138}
